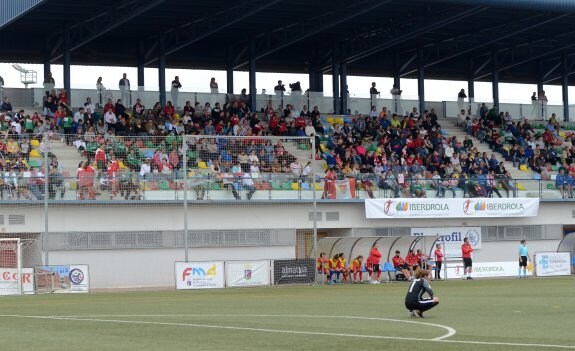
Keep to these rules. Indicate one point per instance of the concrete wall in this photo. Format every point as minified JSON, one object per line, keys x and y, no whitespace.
{"x":153,"y":267}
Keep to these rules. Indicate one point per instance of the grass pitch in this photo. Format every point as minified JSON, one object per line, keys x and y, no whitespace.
{"x":513,"y":314}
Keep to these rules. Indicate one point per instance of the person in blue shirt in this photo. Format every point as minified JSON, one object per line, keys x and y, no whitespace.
{"x":523,"y":258}
{"x":562,"y":184}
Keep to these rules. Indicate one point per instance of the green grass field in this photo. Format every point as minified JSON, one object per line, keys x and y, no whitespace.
{"x":484,"y":314}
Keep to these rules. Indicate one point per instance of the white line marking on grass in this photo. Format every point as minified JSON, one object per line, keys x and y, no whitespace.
{"x":450,"y":331}
{"x":468,"y":342}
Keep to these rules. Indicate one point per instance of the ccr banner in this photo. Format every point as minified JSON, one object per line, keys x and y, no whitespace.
{"x":199,"y":275}
{"x":9,"y":281}
{"x":549,"y":264}
{"x":67,"y":278}
{"x":451,"y":208}
{"x":247,"y":273}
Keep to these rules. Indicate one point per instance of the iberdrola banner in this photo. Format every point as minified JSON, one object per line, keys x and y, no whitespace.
{"x":451,"y":208}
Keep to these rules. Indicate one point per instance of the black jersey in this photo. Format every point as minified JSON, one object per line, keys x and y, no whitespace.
{"x":417,"y":288}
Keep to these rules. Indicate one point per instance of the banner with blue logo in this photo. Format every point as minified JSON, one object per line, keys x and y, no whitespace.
{"x":451,"y":208}
{"x":67,"y":278}
{"x":549,"y":264}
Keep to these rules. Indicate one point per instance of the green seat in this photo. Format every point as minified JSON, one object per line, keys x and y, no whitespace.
{"x":215,"y":186}
{"x":286,"y":186}
{"x":276,"y":186}
{"x":164,"y":185}
{"x":149,"y":144}
{"x":554,"y":168}
{"x":35,"y":162}
{"x":192,"y":155}
{"x":303,"y":147}
{"x":120,"y":149}
{"x":551,"y":186}
{"x":91,"y":147}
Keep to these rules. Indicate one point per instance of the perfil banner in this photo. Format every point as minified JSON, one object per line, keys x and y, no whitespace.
{"x":452,"y":238}
{"x":67,"y":278}
{"x":487,"y":270}
{"x":247,"y":273}
{"x":9,"y":280}
{"x":199,"y":275}
{"x":451,"y":208}
{"x":549,"y":264}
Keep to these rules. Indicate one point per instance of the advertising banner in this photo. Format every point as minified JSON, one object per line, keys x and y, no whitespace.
{"x":549,"y":264}
{"x":247,"y":273}
{"x":299,"y":271}
{"x":67,"y":278}
{"x":451,"y":208}
{"x":487,"y":269}
{"x":452,"y":238}
{"x":9,"y":281}
{"x":199,"y":275}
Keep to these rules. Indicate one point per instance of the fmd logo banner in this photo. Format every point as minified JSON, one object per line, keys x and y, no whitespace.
{"x":199,"y":275}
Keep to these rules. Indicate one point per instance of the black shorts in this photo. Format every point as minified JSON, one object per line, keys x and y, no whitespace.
{"x":523,"y":261}
{"x":467,"y":262}
{"x":375,"y":267}
{"x":421,"y":305}
{"x":401,"y":267}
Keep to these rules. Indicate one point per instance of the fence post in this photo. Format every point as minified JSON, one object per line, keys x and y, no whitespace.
{"x":185,"y":164}
{"x":45,"y":238}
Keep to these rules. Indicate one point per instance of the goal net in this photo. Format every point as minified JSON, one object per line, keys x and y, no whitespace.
{"x":11,"y":266}
{"x":17,"y":274}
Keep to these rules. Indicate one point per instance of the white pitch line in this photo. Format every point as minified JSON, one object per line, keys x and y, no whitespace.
{"x":571,"y":347}
{"x":450,"y":331}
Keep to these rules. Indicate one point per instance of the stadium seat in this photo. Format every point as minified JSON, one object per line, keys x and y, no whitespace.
{"x":520,"y":186}
{"x":202,"y":165}
{"x":35,"y":153}
{"x":34,"y":143}
{"x":523,"y":168}
{"x":35,"y":162}
{"x":389,"y":268}
{"x":295,"y":186}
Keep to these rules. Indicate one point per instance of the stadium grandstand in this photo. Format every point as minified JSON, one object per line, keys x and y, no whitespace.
{"x":130,"y":169}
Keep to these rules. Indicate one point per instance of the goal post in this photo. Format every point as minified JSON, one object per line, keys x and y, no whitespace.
{"x":10,"y":266}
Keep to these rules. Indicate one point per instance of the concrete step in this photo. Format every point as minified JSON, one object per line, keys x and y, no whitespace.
{"x":68,"y":156}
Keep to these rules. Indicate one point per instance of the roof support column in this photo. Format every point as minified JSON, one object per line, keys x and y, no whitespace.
{"x":252,"y":75}
{"x":162,"y":71}
{"x":495,"y":79}
{"x":316,"y":81}
{"x":47,"y":64}
{"x":230,"y":72}
{"x":397,"y":72}
{"x":343,"y":90}
{"x":420,"y":80}
{"x":565,"y":85}
{"x":335,"y":80}
{"x":141,"y":53}
{"x":471,"y":85}
{"x":539,"y":77}
{"x":67,"y":63}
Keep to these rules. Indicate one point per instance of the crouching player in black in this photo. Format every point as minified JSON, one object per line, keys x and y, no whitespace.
{"x":414,"y":300}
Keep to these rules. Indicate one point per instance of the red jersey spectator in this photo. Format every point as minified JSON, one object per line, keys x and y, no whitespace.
{"x":466,"y":251}
{"x":375,"y":259}
{"x":438,"y":261}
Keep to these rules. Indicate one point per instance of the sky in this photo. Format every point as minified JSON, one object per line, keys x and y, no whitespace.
{"x":84,"y":77}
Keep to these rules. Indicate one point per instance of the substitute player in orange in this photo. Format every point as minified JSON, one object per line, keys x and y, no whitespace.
{"x":323,"y":264}
{"x":342,"y":265}
{"x":355,"y":268}
{"x":466,"y":251}
{"x":334,"y":269}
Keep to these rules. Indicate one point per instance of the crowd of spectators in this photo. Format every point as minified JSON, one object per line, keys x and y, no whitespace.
{"x":406,"y":156}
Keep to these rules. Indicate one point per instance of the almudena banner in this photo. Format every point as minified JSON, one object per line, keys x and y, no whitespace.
{"x":451,"y":208}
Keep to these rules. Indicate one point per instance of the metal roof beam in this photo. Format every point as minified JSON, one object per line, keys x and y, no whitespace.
{"x":496,"y":37}
{"x":84,"y":32}
{"x":545,"y":5}
{"x":186,"y":35}
{"x":528,"y":59}
{"x":370,"y":49}
{"x":277,"y":39}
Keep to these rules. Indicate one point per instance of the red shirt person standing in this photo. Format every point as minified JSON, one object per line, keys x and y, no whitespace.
{"x":375,"y":258}
{"x":438,"y":261}
{"x":466,"y":251}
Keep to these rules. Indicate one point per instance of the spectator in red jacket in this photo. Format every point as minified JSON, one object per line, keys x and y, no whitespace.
{"x":399,"y":264}
{"x":466,"y":251}
{"x":375,"y":259}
